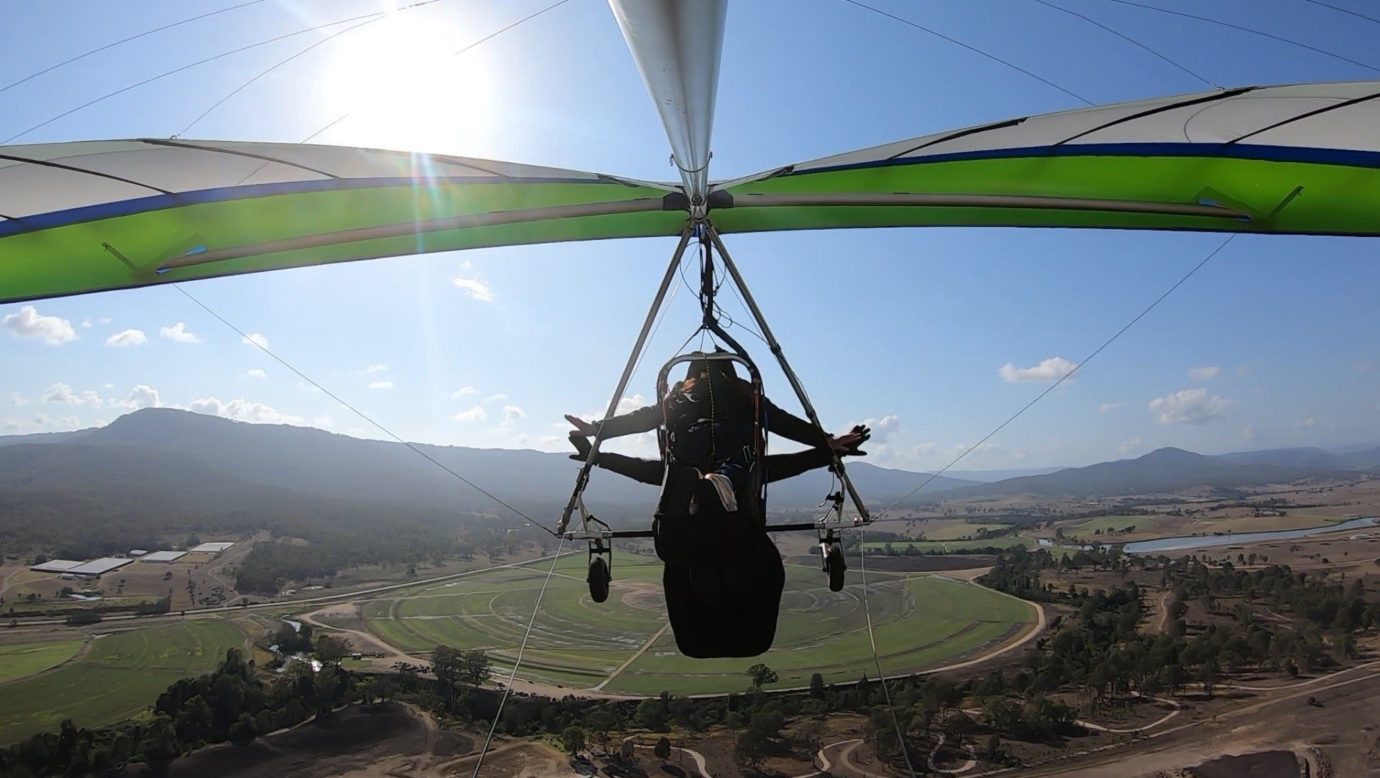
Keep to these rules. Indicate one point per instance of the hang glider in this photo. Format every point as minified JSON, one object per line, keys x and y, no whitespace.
{"x":102,"y":215}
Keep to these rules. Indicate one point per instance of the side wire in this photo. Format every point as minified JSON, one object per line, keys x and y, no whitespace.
{"x":283,"y":62}
{"x":358,"y":412}
{"x":973,"y":49}
{"x":122,"y":41}
{"x":886,"y":692}
{"x":1062,"y":379}
{"x":458,"y":52}
{"x":188,"y":66}
{"x":508,"y":687}
{"x":1357,"y":14}
{"x":1240,"y":28}
{"x":1129,"y":40}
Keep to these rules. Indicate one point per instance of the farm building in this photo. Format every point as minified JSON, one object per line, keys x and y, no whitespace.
{"x":137,"y":552}
{"x":98,"y":567}
{"x":210,"y":548}
{"x":56,"y":566}
{"x":163,"y":556}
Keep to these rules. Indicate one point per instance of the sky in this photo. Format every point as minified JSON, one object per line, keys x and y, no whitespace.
{"x":934,"y":336}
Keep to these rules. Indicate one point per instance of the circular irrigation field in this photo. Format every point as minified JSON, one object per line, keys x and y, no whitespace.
{"x":921,"y":621}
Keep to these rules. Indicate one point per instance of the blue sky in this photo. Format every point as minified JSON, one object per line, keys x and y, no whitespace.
{"x":935,"y":335}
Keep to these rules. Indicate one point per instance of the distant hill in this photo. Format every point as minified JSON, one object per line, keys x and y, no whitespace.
{"x":314,"y":463}
{"x":1166,"y":470}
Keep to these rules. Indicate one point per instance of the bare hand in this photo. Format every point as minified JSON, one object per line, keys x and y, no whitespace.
{"x":582,"y":427}
{"x":849,"y":442}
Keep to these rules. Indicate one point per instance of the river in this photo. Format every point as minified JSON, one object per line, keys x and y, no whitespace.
{"x":1187,"y":542}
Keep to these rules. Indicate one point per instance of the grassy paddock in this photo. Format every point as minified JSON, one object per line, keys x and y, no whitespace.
{"x":17,"y":661}
{"x":921,"y":621}
{"x":122,"y":674}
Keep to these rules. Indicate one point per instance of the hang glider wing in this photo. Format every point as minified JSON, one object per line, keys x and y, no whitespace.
{"x":92,"y":216}
{"x":1286,"y":160}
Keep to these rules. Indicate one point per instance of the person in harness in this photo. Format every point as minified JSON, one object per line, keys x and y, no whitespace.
{"x":723,"y":576}
{"x":709,"y":424}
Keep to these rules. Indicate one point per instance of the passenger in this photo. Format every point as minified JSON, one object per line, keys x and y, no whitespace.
{"x":709,"y":423}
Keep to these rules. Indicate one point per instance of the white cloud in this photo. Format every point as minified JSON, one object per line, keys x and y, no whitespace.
{"x":29,"y":323}
{"x":464,"y":391}
{"x":240,"y":409}
{"x":885,"y":428}
{"x":1189,"y":406}
{"x":1248,"y":433}
{"x":1243,"y":370}
{"x":62,"y":394}
{"x":17,"y":399}
{"x":1109,"y":407}
{"x":381,"y":385}
{"x":86,"y":324}
{"x":1206,"y":373}
{"x":1307,"y":423}
{"x":1134,"y":444}
{"x":127,"y":339}
{"x":141,"y":396}
{"x":474,"y":288}
{"x":255,"y":339}
{"x":1047,"y":371}
{"x":256,"y":372}
{"x":178,"y":334}
{"x":11,"y":426}
{"x":512,"y":413}
{"x":474,"y":413}
{"x":104,"y":320}
{"x":373,"y":369}
{"x":495,"y":398}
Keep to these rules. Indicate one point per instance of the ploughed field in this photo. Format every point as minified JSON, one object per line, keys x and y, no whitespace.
{"x":622,"y":646}
{"x":110,"y":678}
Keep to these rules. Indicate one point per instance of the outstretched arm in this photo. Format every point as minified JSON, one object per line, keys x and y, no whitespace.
{"x":640,"y":420}
{"x":648,"y":471}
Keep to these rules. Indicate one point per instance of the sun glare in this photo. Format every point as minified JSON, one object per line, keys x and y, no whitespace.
{"x":404,"y":88}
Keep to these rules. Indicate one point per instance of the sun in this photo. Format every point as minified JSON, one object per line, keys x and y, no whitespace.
{"x":404,"y":87}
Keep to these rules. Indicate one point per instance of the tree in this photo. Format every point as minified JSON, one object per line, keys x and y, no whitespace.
{"x":573,"y":740}
{"x":762,"y":675}
{"x":751,"y":748}
{"x":243,"y":731}
{"x":627,"y":749}
{"x":816,"y":686}
{"x":476,"y":667}
{"x":330,"y":648}
{"x":662,"y":749}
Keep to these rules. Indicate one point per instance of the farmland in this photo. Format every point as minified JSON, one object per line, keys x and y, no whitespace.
{"x":119,"y":675}
{"x":621,"y":646}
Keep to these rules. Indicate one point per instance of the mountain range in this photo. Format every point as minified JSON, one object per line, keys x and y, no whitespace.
{"x":165,"y":450}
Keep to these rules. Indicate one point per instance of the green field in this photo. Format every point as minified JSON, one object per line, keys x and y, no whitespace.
{"x":952,"y":546}
{"x":921,"y":621}
{"x":955,"y":529}
{"x":24,"y":659}
{"x":122,"y":674}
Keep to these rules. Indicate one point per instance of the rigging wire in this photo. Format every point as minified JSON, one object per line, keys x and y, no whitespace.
{"x":973,"y":49}
{"x":1335,"y":8}
{"x":460,"y":51}
{"x":1129,"y":40}
{"x":1062,"y":379}
{"x":188,"y":66}
{"x":508,"y":688}
{"x":886,"y":692}
{"x":1240,"y":28}
{"x":107,"y":46}
{"x":283,"y":62}
{"x":361,"y":414}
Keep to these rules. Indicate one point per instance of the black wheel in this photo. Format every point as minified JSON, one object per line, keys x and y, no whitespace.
{"x":834,"y":566}
{"x":598,"y":579}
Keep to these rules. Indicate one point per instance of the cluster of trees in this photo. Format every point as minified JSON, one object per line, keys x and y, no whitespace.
{"x":1104,"y":653}
{"x":232,"y":704}
{"x":384,"y":540}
